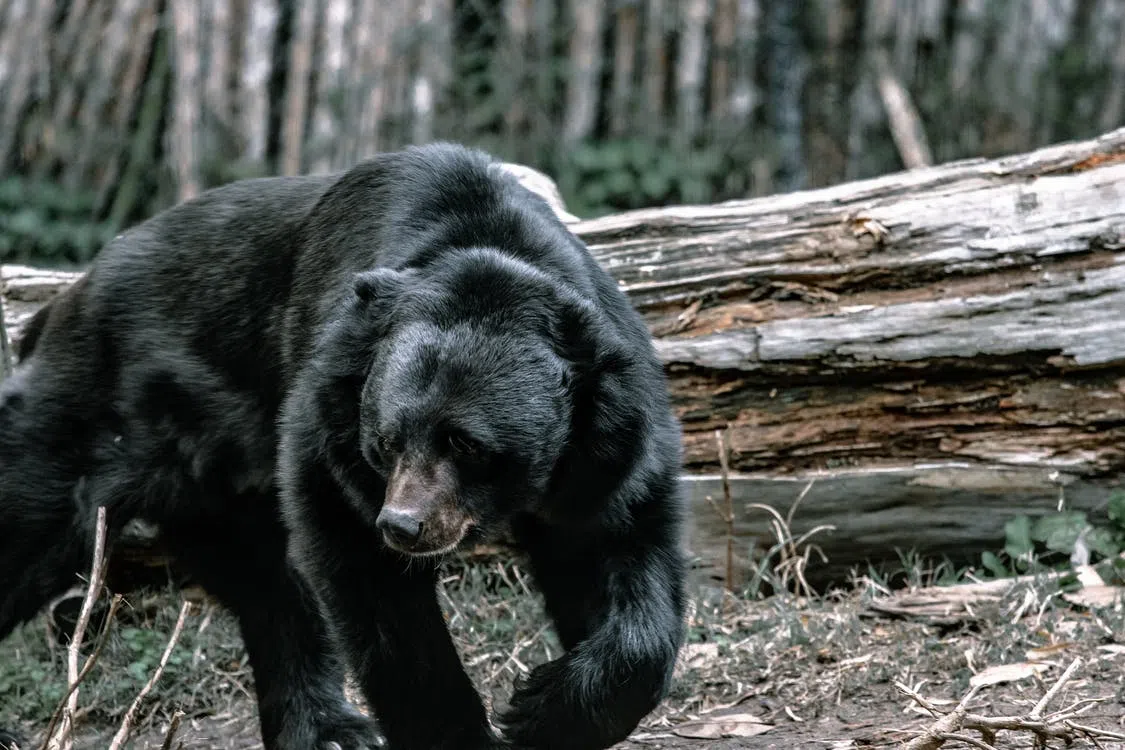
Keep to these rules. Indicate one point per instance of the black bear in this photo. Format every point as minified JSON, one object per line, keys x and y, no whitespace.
{"x":318,"y":386}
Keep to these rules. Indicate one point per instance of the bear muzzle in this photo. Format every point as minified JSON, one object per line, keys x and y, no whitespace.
{"x":420,"y":514}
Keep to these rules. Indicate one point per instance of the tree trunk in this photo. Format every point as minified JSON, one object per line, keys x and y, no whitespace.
{"x":217,"y":84}
{"x":655,"y":64}
{"x":183,"y":136}
{"x":117,"y":42}
{"x":939,"y":349}
{"x":690,"y":69}
{"x":724,"y":25}
{"x":297,"y":90}
{"x":141,"y":45}
{"x":257,"y":63}
{"x":30,"y":64}
{"x":325,"y":151}
{"x":788,"y":64}
{"x":584,"y":77}
{"x":624,"y":68}
{"x":434,"y":18}
{"x":510,"y":70}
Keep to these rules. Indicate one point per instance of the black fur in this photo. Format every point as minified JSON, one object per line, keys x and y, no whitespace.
{"x":416,"y":338}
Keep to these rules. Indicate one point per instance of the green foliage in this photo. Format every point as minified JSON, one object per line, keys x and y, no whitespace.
{"x":145,"y":647}
{"x":30,"y":683}
{"x":44,"y":222}
{"x":1052,"y":539}
{"x":602,"y":177}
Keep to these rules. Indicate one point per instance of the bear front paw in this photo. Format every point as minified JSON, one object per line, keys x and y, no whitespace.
{"x":351,"y":732}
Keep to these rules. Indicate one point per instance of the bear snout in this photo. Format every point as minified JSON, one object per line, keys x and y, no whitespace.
{"x":421,"y":514}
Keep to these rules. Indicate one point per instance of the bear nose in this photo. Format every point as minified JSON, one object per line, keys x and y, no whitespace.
{"x":400,"y":529}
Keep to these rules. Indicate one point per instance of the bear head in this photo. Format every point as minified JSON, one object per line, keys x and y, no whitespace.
{"x":481,"y":395}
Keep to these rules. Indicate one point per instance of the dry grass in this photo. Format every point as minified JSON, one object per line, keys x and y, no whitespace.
{"x":783,"y":671}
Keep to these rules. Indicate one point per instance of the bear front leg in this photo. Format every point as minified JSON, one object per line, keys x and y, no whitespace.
{"x":241,"y":559}
{"x":617,"y":603}
{"x":384,"y":615}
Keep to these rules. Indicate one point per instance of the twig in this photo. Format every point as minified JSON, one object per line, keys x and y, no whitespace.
{"x":173,"y":727}
{"x":967,"y":740}
{"x":1059,"y":725}
{"x":1041,"y":706}
{"x":945,"y":727}
{"x":63,"y":739}
{"x":722,"y":437}
{"x":103,"y":636}
{"x":127,"y":720}
{"x":1094,"y":731}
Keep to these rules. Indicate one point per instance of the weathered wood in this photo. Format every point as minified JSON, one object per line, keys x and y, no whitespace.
{"x":872,"y":516}
{"x":942,"y":348}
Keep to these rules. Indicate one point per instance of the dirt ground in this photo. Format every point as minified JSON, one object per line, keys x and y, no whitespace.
{"x":780,"y":672}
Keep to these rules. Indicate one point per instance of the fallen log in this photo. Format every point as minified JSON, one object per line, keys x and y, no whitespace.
{"x":940,"y":349}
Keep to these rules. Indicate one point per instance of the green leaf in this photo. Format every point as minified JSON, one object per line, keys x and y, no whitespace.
{"x":1017,"y":537}
{"x":621,"y":183}
{"x":655,"y":184}
{"x":1117,"y":509}
{"x":1103,"y":541}
{"x":1059,"y":531}
{"x":139,"y":670}
{"x":993,"y":564}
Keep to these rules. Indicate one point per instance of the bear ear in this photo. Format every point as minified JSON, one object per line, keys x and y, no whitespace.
{"x":584,"y":337}
{"x":379,"y":284}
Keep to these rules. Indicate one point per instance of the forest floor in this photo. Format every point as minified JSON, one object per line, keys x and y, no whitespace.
{"x":778,"y":672}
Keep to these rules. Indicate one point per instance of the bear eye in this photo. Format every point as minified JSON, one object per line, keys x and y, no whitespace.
{"x":383,"y":444}
{"x":465,"y":446}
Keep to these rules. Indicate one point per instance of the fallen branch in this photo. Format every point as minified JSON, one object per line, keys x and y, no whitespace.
{"x":127,"y":721}
{"x":953,"y":605}
{"x":1059,"y":725}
